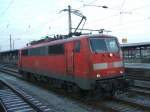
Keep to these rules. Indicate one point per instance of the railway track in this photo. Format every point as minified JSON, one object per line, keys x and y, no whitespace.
{"x":128,"y":102}
{"x":9,"y":70}
{"x":15,"y":100}
{"x":116,"y":104}
{"x":120,"y":106}
{"x":131,"y":102}
{"x":140,"y":90}
{"x":142,"y":78}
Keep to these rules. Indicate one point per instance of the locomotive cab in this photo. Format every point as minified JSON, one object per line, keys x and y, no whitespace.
{"x":106,"y":57}
{"x":107,"y":63}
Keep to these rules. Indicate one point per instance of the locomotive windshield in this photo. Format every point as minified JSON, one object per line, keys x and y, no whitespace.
{"x":104,"y":45}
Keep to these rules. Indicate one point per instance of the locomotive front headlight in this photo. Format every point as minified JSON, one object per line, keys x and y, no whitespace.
{"x":110,"y":54}
{"x":121,"y":72}
{"x":98,"y":75}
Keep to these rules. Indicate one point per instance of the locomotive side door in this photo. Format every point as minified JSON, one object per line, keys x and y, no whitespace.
{"x":69,"y":58}
{"x":20,"y":59}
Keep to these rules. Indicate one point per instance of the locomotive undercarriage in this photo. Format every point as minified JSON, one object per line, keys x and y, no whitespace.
{"x":111,"y":86}
{"x":101,"y":88}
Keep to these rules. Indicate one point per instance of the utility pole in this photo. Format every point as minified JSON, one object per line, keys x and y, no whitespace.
{"x":10,"y":42}
{"x":69,"y":19}
{"x":13,"y":45}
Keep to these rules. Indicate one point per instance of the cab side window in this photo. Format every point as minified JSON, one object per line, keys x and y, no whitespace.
{"x":77,"y":46}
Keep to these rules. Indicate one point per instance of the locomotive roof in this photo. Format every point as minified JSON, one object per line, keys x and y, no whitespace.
{"x":67,"y":40}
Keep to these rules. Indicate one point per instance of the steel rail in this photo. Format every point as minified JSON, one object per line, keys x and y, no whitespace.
{"x":14,"y":99}
{"x":140,"y":90}
{"x":131,"y":103}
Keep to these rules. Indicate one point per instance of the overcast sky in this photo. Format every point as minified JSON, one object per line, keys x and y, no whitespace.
{"x":28,"y":20}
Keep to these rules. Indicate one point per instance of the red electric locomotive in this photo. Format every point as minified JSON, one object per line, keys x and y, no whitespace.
{"x":88,"y":62}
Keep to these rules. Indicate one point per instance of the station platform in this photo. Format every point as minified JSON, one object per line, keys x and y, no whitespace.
{"x":138,"y":70}
{"x":138,"y":65}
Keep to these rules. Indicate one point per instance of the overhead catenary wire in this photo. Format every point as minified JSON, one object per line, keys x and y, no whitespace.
{"x":7,"y":8}
{"x":58,"y":18}
{"x":82,"y":6}
{"x":45,"y":23}
{"x":129,"y":23}
{"x":121,"y":10}
{"x":118,"y":14}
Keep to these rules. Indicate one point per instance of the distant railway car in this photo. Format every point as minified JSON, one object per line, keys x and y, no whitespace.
{"x":87,"y":62}
{"x":9,"y":57}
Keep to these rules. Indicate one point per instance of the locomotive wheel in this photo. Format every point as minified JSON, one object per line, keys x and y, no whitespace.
{"x":76,"y":89}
